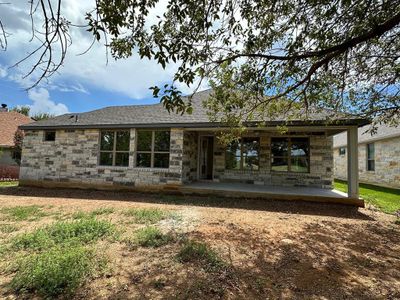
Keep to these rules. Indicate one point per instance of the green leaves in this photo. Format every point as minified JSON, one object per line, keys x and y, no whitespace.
{"x":338,"y":55}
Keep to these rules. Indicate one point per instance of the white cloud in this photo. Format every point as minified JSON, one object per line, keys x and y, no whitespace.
{"x":43,"y":104}
{"x":131,"y":77}
{"x":3,"y":72}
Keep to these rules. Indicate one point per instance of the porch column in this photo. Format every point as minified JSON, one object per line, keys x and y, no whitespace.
{"x":352,"y":162}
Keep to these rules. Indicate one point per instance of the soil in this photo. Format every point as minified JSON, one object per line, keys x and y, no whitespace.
{"x":272,"y":249}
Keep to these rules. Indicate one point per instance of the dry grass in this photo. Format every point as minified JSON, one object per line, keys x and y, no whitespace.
{"x":221,"y":249}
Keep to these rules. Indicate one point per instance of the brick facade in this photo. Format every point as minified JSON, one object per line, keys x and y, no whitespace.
{"x":72,"y":160}
{"x":387,"y":163}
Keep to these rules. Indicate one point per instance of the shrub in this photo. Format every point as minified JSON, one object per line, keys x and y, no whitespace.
{"x":146,"y":215}
{"x":197,"y":252}
{"x":150,"y":237}
{"x":82,"y":231}
{"x":56,"y":271}
{"x":21,"y":213}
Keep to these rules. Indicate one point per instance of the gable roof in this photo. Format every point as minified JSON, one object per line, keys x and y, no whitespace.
{"x":155,"y":115}
{"x":383,"y":132}
{"x":9,"y":122}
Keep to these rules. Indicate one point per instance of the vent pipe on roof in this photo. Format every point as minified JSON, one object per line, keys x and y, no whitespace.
{"x":3,"y":107}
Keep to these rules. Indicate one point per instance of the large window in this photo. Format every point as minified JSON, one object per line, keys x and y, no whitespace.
{"x":290,"y":154}
{"x":114,"y":148}
{"x":371,"y":157}
{"x":243,"y":154}
{"x":152,"y":149}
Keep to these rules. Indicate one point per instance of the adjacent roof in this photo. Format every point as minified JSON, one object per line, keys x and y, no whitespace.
{"x":142,"y":116}
{"x":9,"y":122}
{"x":383,"y":132}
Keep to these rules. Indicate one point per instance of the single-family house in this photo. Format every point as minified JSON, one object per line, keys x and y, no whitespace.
{"x":9,"y":122}
{"x":146,"y":147}
{"x":378,"y":156}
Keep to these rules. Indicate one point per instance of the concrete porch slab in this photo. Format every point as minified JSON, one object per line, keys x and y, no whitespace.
{"x":242,"y":190}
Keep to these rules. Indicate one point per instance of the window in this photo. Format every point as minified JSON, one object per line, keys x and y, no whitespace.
{"x":114,"y":148}
{"x":370,"y":157}
{"x":243,"y":154}
{"x":49,"y":136}
{"x":342,"y":151}
{"x":290,"y":154}
{"x":152,"y":149}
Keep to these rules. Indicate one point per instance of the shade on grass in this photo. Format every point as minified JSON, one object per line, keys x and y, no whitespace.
{"x":386,"y":199}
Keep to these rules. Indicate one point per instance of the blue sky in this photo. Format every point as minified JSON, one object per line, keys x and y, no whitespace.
{"x":85,"y":82}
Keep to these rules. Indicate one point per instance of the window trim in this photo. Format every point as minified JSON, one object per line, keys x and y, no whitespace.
{"x":152,"y":152}
{"x":289,"y":156}
{"x":241,"y":155}
{"x":114,"y":151}
{"x":368,"y":159}
{"x":48,"y":131}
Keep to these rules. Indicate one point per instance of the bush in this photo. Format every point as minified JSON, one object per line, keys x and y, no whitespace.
{"x":81,"y":231}
{"x":9,"y":173}
{"x":197,"y":252}
{"x":150,"y":237}
{"x":146,"y":215}
{"x":21,"y":213}
{"x":56,"y":271}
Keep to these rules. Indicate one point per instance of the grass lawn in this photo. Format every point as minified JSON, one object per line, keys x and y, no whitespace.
{"x":8,"y":183}
{"x":59,"y":244}
{"x":386,"y":199}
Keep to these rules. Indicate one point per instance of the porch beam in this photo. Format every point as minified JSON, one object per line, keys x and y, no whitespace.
{"x":352,"y":162}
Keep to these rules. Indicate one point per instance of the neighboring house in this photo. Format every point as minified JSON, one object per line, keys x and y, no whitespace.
{"x":9,"y":122}
{"x":145,"y":147}
{"x":378,"y":154}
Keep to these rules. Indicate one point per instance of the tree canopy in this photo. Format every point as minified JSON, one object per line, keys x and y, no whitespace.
{"x":261,"y":57}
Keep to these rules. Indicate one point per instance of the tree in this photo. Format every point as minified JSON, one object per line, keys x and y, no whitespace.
{"x":18,"y":140}
{"x":22,"y":109}
{"x":262,"y":57}
{"x":42,"y":116}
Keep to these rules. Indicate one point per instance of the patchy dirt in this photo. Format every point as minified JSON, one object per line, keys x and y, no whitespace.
{"x":272,"y":249}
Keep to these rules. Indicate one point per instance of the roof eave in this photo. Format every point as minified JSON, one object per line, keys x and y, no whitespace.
{"x":325,"y":123}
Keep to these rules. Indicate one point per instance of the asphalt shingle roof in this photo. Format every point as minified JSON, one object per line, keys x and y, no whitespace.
{"x":154,"y":115}
{"x":9,"y":122}
{"x":383,"y":132}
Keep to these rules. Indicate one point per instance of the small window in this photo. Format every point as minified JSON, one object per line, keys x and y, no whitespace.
{"x":49,"y":136}
{"x":342,"y":151}
{"x":290,"y":154}
{"x":152,"y":148}
{"x":243,"y":154}
{"x":114,"y":148}
{"x":371,"y":157}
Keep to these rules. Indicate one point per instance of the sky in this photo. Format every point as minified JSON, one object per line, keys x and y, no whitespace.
{"x":85,"y":82}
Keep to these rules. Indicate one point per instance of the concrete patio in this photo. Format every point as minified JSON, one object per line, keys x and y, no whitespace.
{"x":270,"y":192}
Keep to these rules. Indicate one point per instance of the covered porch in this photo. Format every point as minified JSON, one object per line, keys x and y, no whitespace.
{"x":243,"y":190}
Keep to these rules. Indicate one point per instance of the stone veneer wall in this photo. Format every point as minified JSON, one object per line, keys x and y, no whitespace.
{"x":190,"y":153}
{"x":321,"y":164}
{"x":387,"y":163}
{"x":72,"y":159}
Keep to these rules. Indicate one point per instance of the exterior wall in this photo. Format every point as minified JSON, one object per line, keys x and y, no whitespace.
{"x":6,"y":157}
{"x":321,"y":164}
{"x":190,"y":153}
{"x":387,"y":163}
{"x":73,"y":159}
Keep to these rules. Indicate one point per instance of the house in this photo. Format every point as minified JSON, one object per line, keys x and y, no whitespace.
{"x":378,"y":156}
{"x":145,"y":147}
{"x":9,"y":122}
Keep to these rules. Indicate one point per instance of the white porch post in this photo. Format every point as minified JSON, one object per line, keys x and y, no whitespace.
{"x":352,"y":162}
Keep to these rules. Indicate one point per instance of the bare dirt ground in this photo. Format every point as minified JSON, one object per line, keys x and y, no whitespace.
{"x":274,"y":249}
